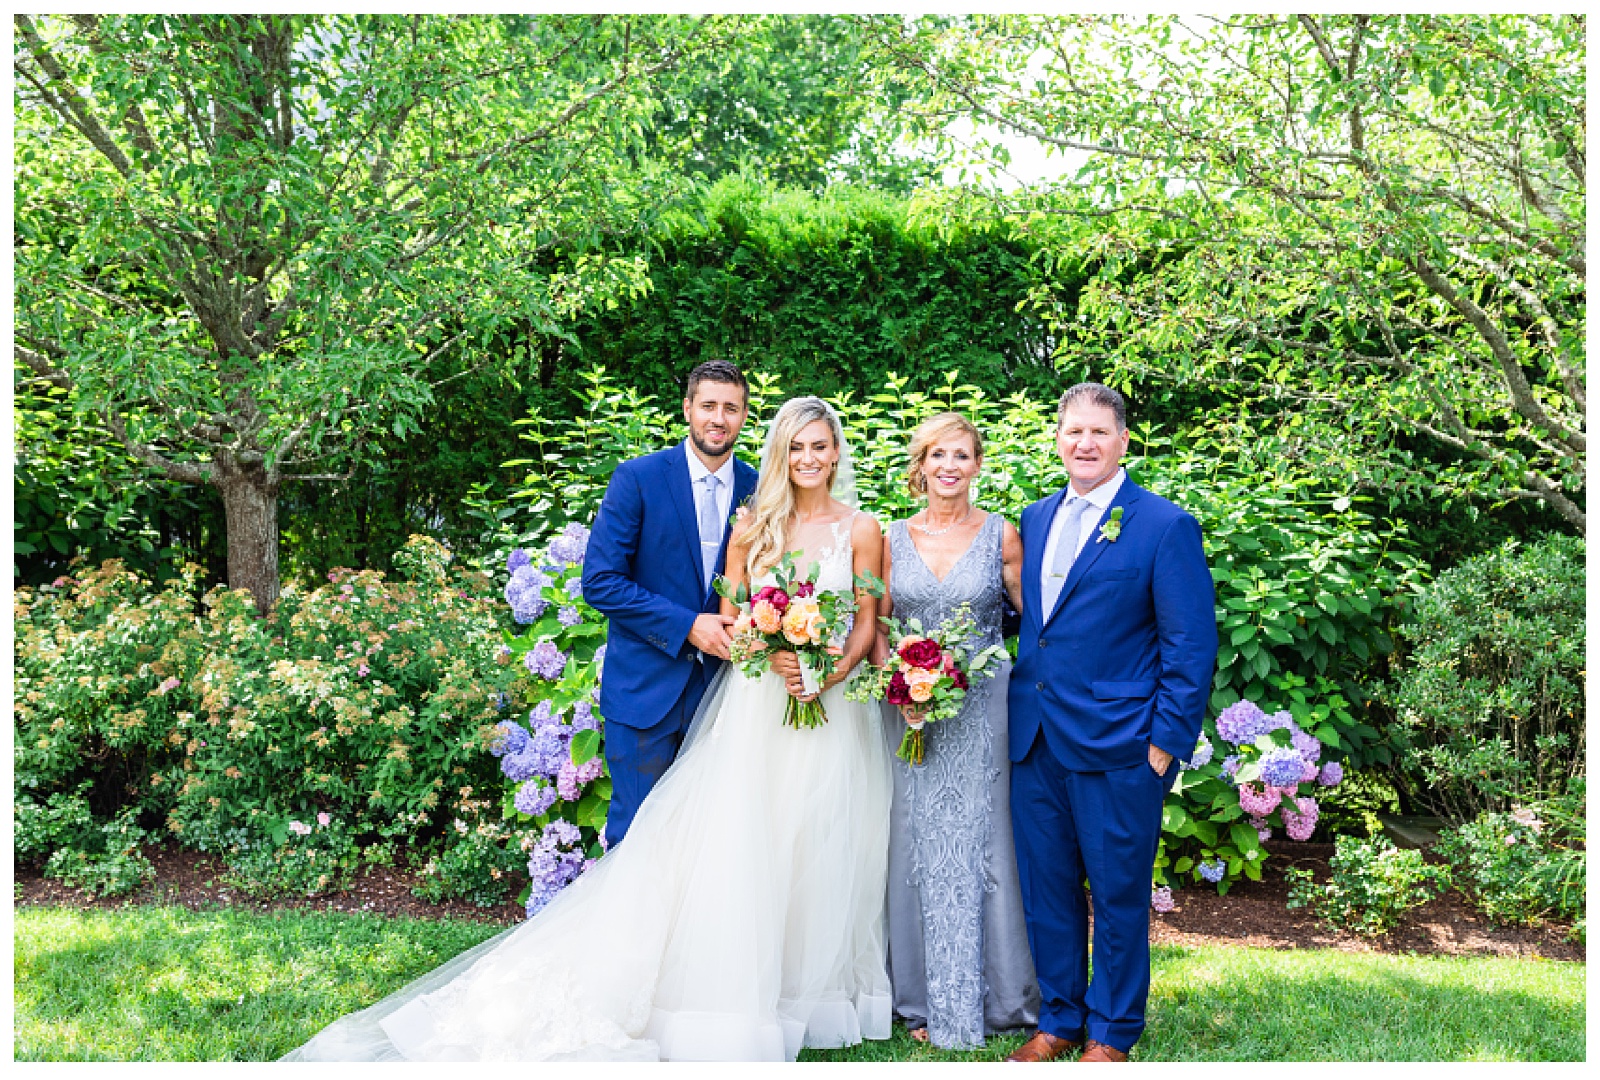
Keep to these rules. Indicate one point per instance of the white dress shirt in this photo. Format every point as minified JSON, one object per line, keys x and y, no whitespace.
{"x":697,"y":476}
{"x":1098,"y":500}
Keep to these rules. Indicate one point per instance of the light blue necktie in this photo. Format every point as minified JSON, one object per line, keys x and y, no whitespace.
{"x":1066,"y":554}
{"x":710,"y":526}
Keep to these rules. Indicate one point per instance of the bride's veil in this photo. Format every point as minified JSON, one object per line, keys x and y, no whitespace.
{"x":844,"y":489}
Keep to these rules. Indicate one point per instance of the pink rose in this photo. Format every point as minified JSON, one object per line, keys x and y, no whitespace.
{"x":324,"y":820}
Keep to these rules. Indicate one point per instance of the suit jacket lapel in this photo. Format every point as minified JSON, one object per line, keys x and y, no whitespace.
{"x":1126,"y":497}
{"x":682,"y":492}
{"x":1036,"y":534}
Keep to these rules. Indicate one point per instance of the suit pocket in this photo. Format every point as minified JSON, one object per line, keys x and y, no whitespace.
{"x":1113,"y":575}
{"x":1112,"y":691}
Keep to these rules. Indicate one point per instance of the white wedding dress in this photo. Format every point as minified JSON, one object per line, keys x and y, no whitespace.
{"x":741,"y":919}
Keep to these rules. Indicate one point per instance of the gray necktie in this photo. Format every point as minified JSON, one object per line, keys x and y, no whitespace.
{"x":1066,"y":553}
{"x":710,"y":526}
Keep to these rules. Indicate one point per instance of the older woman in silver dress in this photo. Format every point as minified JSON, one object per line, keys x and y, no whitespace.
{"x":958,"y":945}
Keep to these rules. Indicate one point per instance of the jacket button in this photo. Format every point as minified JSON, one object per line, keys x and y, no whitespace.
{"x":1038,"y":686}
{"x":1043,"y":643}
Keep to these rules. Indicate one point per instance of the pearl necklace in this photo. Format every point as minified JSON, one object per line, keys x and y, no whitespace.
{"x":940,"y":532}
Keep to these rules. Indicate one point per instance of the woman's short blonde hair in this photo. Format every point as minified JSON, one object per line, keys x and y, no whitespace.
{"x":930,"y":431}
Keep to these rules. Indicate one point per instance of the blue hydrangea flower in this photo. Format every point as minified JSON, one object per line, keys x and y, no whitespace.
{"x":1241,"y":722}
{"x":1282,"y":766}
{"x":545,"y":660}
{"x":1332,"y":772}
{"x":599,"y":663}
{"x":569,"y":616}
{"x":575,"y":588}
{"x":1281,"y":720}
{"x":509,"y":738}
{"x":1230,"y":765}
{"x":520,"y":766}
{"x":1201,"y":756}
{"x":517,"y":560}
{"x":1213,"y":871}
{"x":534,"y":797}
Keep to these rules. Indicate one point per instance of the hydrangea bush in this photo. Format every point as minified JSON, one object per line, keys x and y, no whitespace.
{"x":557,"y":791}
{"x":1254,"y":774}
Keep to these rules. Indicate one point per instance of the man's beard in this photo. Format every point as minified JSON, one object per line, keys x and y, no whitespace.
{"x":699,"y":445}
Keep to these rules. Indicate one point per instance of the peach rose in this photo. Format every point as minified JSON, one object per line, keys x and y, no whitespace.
{"x":921,"y":692}
{"x":802,"y":622}
{"x":766,"y":617}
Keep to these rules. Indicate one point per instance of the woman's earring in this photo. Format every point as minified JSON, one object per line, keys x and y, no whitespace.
{"x":922,"y":481}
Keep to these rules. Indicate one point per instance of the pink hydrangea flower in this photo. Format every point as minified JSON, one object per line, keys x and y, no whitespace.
{"x":1258,"y":800}
{"x":1302,"y":822}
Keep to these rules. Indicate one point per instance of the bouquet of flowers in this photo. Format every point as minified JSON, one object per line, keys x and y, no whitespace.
{"x":792,"y":615}
{"x":928,"y":672}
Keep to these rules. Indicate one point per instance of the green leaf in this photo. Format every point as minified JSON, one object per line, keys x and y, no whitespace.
{"x":585,"y":745}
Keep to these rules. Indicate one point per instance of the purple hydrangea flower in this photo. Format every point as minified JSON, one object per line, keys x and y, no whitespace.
{"x":1202,"y":754}
{"x":543,"y":715}
{"x":1213,"y":871}
{"x":1230,"y":765}
{"x":575,"y":589}
{"x":1282,"y":720}
{"x":599,"y":663}
{"x":517,"y":560}
{"x":508,"y":738}
{"x":524,"y":592}
{"x":548,"y":750}
{"x":1331,"y":774}
{"x":570,"y":546}
{"x":583,"y":717}
{"x":569,"y":616}
{"x":520,"y":766}
{"x":534,"y":798}
{"x":1307,"y":744}
{"x":1263,"y":830}
{"x":1161,"y":900}
{"x":1241,"y":722}
{"x":1282,"y":767}
{"x":556,"y":860}
{"x":545,"y":660}
{"x":572,"y":778}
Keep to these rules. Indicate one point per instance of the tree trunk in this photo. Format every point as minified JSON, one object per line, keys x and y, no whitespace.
{"x":250,"y":501}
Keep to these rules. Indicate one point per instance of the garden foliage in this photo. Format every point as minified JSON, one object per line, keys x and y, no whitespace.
{"x":1374,"y":883}
{"x":1490,"y":693}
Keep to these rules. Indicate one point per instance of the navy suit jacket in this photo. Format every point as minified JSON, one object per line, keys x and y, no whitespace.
{"x":643,"y":572}
{"x":1126,"y":657}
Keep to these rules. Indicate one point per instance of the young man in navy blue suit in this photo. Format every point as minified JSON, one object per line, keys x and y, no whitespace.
{"x":658,"y":541}
{"x":1114,"y":666}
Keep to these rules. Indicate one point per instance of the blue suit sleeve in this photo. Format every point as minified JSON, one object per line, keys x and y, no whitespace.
{"x":608,"y":582}
{"x":1186,"y":627}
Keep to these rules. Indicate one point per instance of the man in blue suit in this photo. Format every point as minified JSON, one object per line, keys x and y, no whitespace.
{"x":1114,"y":666}
{"x":659,"y":539}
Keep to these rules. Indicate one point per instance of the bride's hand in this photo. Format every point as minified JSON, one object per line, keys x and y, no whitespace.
{"x":841,"y":670}
{"x":786,"y":665}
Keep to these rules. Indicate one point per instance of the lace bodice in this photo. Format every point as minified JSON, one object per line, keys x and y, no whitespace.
{"x":828,"y":545}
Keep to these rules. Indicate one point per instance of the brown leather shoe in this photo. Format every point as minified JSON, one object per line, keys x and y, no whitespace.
{"x":1044,"y":1047}
{"x":1099,"y":1051}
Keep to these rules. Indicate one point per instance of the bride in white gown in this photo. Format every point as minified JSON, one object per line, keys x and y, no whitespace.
{"x":743,"y":917}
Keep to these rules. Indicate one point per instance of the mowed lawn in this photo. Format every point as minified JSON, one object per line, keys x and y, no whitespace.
{"x":169,"y":984}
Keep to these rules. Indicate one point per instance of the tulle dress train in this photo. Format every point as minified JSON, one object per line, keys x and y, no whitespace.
{"x":741,"y":919}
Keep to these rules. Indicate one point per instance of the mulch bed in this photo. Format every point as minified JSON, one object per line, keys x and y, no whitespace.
{"x":1253,"y":913}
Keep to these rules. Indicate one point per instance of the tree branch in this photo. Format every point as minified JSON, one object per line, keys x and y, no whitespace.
{"x":185,"y":472}
{"x":71,"y":105}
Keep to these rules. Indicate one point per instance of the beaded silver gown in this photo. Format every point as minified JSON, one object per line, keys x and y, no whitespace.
{"x":958,"y":946}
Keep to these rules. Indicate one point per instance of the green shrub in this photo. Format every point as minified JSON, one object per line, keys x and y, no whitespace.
{"x":480,"y":867}
{"x":1489,"y":695}
{"x":1374,"y":883}
{"x":1519,"y":867}
{"x":62,"y":822}
{"x":316,"y":857}
{"x":109,"y":862}
{"x":366,"y":699}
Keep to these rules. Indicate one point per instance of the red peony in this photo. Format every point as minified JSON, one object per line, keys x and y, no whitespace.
{"x":960,"y":678}
{"x":774,"y":596}
{"x":924,"y":653}
{"x":899,"y":693}
{"x":804,"y":589}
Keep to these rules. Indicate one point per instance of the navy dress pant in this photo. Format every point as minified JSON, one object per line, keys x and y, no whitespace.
{"x":637,"y":757}
{"x":1102,"y":827}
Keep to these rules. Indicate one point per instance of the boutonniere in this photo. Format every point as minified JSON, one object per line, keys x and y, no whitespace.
{"x":741,"y":510}
{"x":1113,"y":528}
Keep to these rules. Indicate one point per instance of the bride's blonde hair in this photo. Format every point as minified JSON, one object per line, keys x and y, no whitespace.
{"x":773,"y":504}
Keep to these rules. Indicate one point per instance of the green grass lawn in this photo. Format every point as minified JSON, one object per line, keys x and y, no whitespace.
{"x":163,"y":984}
